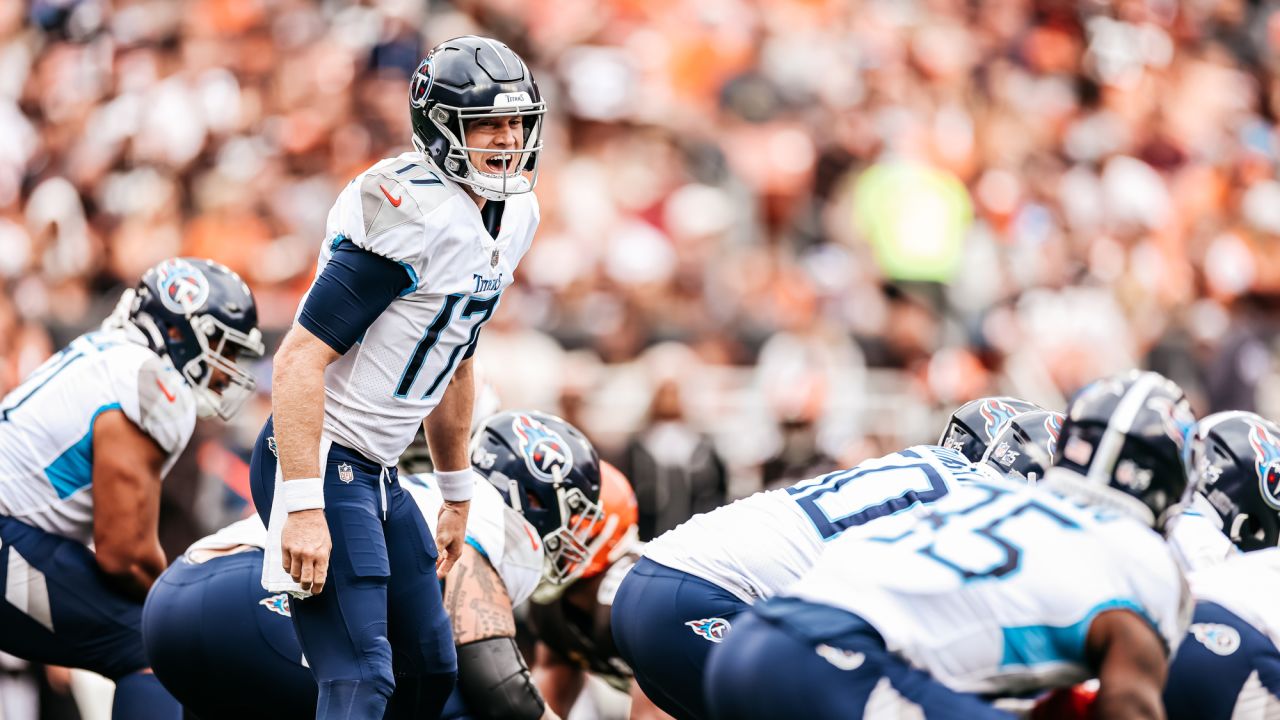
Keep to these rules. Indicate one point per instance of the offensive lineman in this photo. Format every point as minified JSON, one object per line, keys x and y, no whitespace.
{"x":418,"y":250}
{"x":84,"y":444}
{"x":571,"y":620}
{"x":683,"y":596}
{"x":1228,"y":666}
{"x":998,"y":588}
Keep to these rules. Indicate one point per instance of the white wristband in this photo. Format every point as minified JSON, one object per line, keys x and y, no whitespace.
{"x":457,"y":485}
{"x":303,"y":494}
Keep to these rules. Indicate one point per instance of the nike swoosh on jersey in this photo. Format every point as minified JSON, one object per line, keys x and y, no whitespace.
{"x":168,"y":395}
{"x":395,"y":202}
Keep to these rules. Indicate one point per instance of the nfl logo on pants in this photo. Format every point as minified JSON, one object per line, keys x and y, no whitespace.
{"x":344,"y":473}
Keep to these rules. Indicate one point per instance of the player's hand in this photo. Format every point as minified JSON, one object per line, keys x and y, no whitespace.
{"x":305,"y":548}
{"x":451,"y":535}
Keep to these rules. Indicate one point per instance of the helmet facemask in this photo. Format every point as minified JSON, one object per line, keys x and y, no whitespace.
{"x":569,"y":549}
{"x":223,"y":349}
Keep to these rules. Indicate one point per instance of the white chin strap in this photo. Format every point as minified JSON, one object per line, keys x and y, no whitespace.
{"x":496,"y":187}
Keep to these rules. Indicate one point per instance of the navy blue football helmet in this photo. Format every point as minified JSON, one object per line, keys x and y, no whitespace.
{"x":471,"y":79}
{"x":1235,"y":464}
{"x":202,"y":316}
{"x":1124,"y":443}
{"x":548,"y":470}
{"x":1023,"y":449}
{"x":974,"y":424}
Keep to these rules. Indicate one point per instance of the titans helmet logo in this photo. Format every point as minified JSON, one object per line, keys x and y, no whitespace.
{"x":711,"y":629}
{"x":996,"y":413}
{"x":542,"y":448}
{"x":183,"y":288}
{"x":420,"y":85}
{"x":1053,"y":426}
{"x":1175,"y":416}
{"x":1266,"y":451}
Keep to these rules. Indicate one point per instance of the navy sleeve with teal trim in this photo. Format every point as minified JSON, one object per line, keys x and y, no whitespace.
{"x":351,"y":292}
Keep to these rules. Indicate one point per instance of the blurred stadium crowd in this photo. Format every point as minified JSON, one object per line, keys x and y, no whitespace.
{"x":777,"y":234}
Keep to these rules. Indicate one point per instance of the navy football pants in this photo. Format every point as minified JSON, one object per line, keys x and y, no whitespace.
{"x":665,"y":624}
{"x":1223,"y":663}
{"x":224,"y":646}
{"x":792,"y":659}
{"x":379,"y":626}
{"x":59,"y":609}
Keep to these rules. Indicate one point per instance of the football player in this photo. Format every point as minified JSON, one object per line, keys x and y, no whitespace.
{"x":208,"y":616}
{"x":971,"y":427}
{"x":683,"y":596}
{"x":1228,"y":666}
{"x":85,"y":442}
{"x":417,"y":253}
{"x":571,"y":620}
{"x":999,"y":588}
{"x":1023,"y":448}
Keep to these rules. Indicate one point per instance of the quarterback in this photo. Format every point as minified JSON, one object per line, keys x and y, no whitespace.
{"x":417,"y":253}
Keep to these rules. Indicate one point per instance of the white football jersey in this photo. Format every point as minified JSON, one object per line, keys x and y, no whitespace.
{"x":1197,"y":538}
{"x":46,"y":425}
{"x":377,"y":394}
{"x":992,"y":589}
{"x":1247,"y":585}
{"x":759,"y":545}
{"x":500,"y":534}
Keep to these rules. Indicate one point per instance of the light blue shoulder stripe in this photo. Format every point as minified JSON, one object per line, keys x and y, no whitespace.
{"x":72,"y":471}
{"x":476,"y":544}
{"x":1040,"y":644}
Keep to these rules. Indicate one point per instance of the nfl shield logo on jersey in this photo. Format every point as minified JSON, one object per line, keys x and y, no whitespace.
{"x":713,"y":629}
{"x":344,"y":473}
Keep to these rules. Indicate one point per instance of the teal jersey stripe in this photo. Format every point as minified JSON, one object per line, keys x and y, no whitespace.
{"x":1041,"y":644}
{"x":73,"y":469}
{"x":475,"y":544}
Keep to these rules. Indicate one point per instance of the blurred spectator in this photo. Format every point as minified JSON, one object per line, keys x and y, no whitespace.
{"x":675,"y":468}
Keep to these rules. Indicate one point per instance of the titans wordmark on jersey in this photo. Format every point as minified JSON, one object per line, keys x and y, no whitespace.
{"x":757,"y":546}
{"x":378,"y":392}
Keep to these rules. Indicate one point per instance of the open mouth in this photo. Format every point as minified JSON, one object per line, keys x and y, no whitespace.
{"x":499,"y":164}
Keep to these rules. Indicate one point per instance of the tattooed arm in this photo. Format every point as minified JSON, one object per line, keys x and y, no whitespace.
{"x":492,"y":675}
{"x":477,"y":600}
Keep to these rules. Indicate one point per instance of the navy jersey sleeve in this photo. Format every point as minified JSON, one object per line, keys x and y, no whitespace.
{"x":352,"y":291}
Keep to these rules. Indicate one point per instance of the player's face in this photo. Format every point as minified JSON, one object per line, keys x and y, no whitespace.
{"x":496,"y":138}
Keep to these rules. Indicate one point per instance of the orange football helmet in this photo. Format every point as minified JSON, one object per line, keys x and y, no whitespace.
{"x":617,"y":532}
